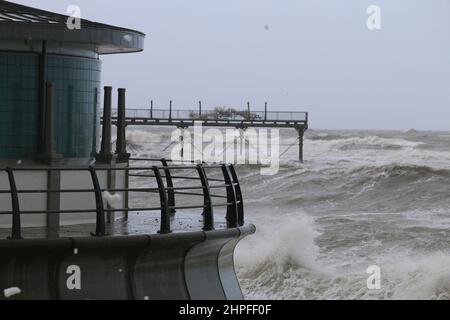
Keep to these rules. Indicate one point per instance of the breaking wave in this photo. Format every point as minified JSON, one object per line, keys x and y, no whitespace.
{"x":286,"y":264}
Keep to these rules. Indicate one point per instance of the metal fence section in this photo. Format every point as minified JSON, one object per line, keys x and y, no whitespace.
{"x":166,"y":189}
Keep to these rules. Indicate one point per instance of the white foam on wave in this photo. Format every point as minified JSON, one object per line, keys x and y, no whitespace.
{"x":286,"y":241}
{"x":266,"y":261}
{"x":143,"y":137}
{"x":285,"y":263}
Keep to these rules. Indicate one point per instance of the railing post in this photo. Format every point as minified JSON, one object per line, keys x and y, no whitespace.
{"x":100,"y":229}
{"x":248,"y":111}
{"x":231,"y":217}
{"x":208,"y":213}
{"x":200,"y":109}
{"x":170,"y":192}
{"x":165,"y":219}
{"x":16,"y":233}
{"x":239,"y":197}
{"x":170,"y":110}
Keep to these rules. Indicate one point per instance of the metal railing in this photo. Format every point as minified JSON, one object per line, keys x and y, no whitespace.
{"x":215,"y":115}
{"x":166,"y":189}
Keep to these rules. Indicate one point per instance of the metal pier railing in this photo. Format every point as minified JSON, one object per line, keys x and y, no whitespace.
{"x":163,"y":176}
{"x":214,"y":115}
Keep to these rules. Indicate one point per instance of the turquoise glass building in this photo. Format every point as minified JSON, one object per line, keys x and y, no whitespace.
{"x":36,"y":47}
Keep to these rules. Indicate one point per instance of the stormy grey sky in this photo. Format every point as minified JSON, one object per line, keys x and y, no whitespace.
{"x":314,"y":55}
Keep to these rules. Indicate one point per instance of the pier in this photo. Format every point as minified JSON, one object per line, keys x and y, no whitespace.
{"x":218,"y":117}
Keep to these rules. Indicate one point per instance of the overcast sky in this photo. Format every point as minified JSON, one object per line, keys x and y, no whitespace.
{"x":314,"y":55}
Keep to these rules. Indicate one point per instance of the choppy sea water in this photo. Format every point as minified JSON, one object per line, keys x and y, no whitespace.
{"x":361,"y":199}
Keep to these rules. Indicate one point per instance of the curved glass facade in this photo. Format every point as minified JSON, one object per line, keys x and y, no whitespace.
{"x":76,"y":82}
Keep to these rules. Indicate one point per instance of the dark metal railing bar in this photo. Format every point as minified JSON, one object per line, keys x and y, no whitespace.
{"x":218,"y":196}
{"x":83,"y":190}
{"x":200,"y":207}
{"x":188,"y":207}
{"x":165,"y":219}
{"x":123,"y":169}
{"x":16,"y":223}
{"x":199,"y":194}
{"x":239,"y":197}
{"x":100,"y":229}
{"x":208,"y":212}
{"x":215,"y":180}
{"x":199,"y":188}
{"x":144,"y":168}
{"x":167,"y":160}
{"x":93,"y":210}
{"x":188,"y":193}
{"x":169,"y":183}
{"x":173,"y":177}
{"x":231,"y":216}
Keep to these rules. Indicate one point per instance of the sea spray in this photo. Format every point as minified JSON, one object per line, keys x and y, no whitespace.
{"x":112,"y":200}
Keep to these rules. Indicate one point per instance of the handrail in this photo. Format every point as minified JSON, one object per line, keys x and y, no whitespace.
{"x":100,"y":229}
{"x":166,"y":189}
{"x":171,"y":195}
{"x":208,"y":213}
{"x":16,"y":225}
{"x":232,"y":219}
{"x":230,"y":114}
{"x":165,"y":219}
{"x":239,"y":198}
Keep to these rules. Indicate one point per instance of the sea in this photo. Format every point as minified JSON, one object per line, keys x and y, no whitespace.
{"x":364,"y":204}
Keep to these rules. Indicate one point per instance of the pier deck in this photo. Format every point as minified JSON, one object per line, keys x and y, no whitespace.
{"x":137,"y":224}
{"x":230,"y":118}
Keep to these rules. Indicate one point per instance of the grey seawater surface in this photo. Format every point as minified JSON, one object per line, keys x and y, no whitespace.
{"x":362,"y":198}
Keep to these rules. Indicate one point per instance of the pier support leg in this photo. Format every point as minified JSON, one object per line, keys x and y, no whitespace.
{"x":301,"y":133}
{"x":182,"y":144}
{"x":121,"y":148}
